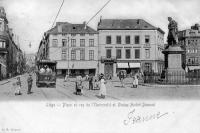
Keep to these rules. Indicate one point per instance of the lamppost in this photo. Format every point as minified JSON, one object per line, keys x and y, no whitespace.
{"x":68,"y":57}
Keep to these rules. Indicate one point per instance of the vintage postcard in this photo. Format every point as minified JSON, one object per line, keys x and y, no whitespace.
{"x":99,"y":66}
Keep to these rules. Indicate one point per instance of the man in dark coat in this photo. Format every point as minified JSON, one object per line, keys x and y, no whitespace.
{"x":30,"y":82}
{"x":90,"y":82}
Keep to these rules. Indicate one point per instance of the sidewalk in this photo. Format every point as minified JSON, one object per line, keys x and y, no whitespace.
{"x":5,"y":81}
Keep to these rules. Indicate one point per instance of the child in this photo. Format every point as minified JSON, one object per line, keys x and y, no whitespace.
{"x":18,"y":86}
{"x":135,"y":81}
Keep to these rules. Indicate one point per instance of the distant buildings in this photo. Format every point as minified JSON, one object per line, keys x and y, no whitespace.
{"x":11,"y":56}
{"x":130,"y":44}
{"x":30,"y":59}
{"x":190,"y":41}
{"x":73,"y":46}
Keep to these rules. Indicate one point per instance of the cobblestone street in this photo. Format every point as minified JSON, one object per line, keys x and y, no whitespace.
{"x":65,"y":91}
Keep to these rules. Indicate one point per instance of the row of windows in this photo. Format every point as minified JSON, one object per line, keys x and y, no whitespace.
{"x":2,"y":44}
{"x":81,"y":34}
{"x":192,"y":50}
{"x":82,"y":55}
{"x":193,"y":60}
{"x":194,"y":42}
{"x":127,"y":39}
{"x":73,"y":42}
{"x":127,"y":53}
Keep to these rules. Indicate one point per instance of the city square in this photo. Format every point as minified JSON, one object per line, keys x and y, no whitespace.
{"x":66,"y":91}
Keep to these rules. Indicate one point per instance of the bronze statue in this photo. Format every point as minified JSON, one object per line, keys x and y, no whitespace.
{"x":172,"y":38}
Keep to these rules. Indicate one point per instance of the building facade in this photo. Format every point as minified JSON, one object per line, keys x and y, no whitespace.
{"x":130,"y":44}
{"x":10,"y":53}
{"x":73,"y":46}
{"x":190,"y":42}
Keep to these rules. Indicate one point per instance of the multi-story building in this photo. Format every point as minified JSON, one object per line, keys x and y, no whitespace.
{"x":130,"y":44}
{"x":9,"y":62}
{"x":190,"y":42}
{"x":73,"y":46}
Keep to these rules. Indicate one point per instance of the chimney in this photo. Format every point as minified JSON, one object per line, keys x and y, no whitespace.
{"x":138,"y":21}
{"x":59,"y":27}
{"x":84,"y":23}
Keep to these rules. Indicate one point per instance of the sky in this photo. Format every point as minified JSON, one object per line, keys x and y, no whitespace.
{"x":29,"y":19}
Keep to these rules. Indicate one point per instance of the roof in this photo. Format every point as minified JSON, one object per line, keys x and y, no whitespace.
{"x":126,"y":24}
{"x":71,"y":28}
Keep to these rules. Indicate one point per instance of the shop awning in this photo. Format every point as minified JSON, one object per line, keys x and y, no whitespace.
{"x":194,"y":67}
{"x":134,"y":65}
{"x":122,"y":65}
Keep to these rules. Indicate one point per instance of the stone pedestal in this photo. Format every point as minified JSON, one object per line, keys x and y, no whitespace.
{"x":174,"y":71}
{"x":174,"y":58}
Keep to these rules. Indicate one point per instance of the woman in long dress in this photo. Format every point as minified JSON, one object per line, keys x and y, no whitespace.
{"x":102,"y":92}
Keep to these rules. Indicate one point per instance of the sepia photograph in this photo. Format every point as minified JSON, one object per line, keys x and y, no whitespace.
{"x":99,"y":66}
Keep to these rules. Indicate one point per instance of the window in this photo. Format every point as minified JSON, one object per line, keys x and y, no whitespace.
{"x":73,"y":42}
{"x":55,"y":42}
{"x":147,"y":53}
{"x":108,"y":53}
{"x":1,"y":26}
{"x":64,"y":54}
{"x":73,"y":55}
{"x":147,"y":39}
{"x":73,"y":34}
{"x":108,"y":39}
{"x":118,"y":39}
{"x":188,"y":42}
{"x":91,"y":34}
{"x":137,"y":53}
{"x":82,"y":42}
{"x":118,"y":53}
{"x":91,"y":42}
{"x":128,"y":53}
{"x":2,"y":44}
{"x":148,"y":67}
{"x":128,"y":40}
{"x":137,"y":39}
{"x":91,"y":54}
{"x":82,"y":54}
{"x":82,"y":34}
{"x":64,"y":42}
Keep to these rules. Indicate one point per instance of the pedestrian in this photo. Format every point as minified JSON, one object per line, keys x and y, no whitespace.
{"x":90,"y":82}
{"x":66,"y":78}
{"x":96,"y":84}
{"x":122,"y":75}
{"x":18,"y":86}
{"x":30,"y":82}
{"x":102,"y":91}
{"x":135,"y":81}
{"x":79,"y":86}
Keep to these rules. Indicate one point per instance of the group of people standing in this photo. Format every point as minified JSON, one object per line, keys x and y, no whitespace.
{"x":93,"y":84}
{"x":18,"y":84}
{"x":136,"y":76}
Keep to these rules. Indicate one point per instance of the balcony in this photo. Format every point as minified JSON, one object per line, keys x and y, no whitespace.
{"x":147,"y":45}
{"x":112,"y":59}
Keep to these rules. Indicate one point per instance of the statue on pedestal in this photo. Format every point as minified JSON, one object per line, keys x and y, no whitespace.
{"x":172,"y":38}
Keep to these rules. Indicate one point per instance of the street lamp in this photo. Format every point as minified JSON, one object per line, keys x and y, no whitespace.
{"x":68,"y":56}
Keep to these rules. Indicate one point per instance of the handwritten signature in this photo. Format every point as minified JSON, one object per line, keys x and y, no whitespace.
{"x":132,"y":118}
